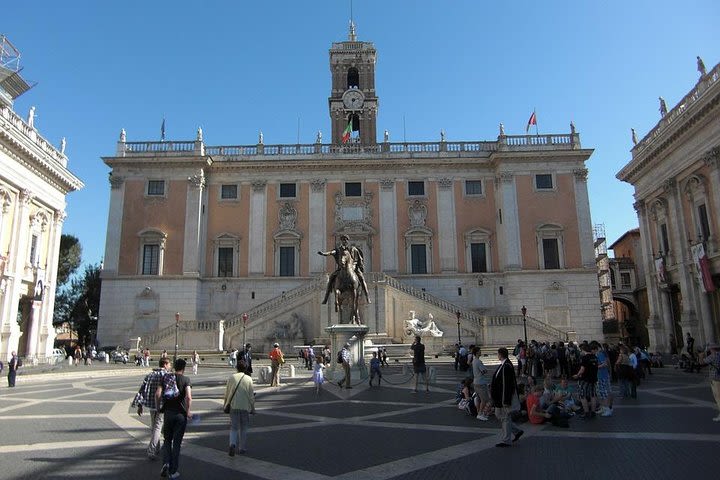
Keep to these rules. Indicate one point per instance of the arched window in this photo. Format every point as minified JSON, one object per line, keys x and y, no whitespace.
{"x":353,"y":78}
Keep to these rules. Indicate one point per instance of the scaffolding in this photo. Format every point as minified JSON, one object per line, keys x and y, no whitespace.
{"x":603,"y":268}
{"x":12,"y":84}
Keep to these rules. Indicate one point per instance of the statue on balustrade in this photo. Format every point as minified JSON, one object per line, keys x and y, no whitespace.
{"x":701,"y":67}
{"x":348,"y":275}
{"x":663,"y":107}
{"x":634,"y":136}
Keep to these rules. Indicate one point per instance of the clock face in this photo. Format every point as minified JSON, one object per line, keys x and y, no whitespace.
{"x":353,"y":99}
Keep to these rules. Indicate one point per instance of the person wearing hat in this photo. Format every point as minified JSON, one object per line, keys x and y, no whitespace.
{"x":344,"y":355}
{"x":276,"y":359}
{"x":357,"y":257}
{"x":713,"y":359}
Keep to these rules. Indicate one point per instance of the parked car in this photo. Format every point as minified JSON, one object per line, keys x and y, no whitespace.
{"x":57,"y":355}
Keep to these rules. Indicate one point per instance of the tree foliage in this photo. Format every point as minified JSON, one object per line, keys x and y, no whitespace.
{"x":85,"y":301}
{"x":69,"y":259}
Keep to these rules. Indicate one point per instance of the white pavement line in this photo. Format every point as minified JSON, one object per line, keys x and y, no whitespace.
{"x":253,"y":466}
{"x":54,"y":417}
{"x":42,"y":377}
{"x":432,"y":428}
{"x":27,"y":403}
{"x":83,"y":444}
{"x":421,"y":461}
{"x":699,"y":403}
{"x":683,"y":437}
{"x":396,"y":413}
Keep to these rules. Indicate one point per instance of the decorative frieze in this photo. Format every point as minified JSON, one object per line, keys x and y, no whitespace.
{"x":712,"y":158}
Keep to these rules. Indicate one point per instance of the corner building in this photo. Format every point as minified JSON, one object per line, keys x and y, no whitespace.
{"x":468,"y":232}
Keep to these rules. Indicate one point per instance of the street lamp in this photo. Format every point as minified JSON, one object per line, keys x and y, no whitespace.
{"x":244,"y":319}
{"x":524,"y":313}
{"x":457,"y":314}
{"x":177,"y":326}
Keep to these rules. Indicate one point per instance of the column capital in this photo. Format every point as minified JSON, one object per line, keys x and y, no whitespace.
{"x":198,"y":180}
{"x":712,"y":157}
{"x":504,"y":177}
{"x":116,"y":181}
{"x":59,"y":217}
{"x":581,"y":174}
{"x":26,"y":197}
{"x":445,"y":182}
{"x":670,"y":185}
{"x":258,"y":185}
{"x":639,"y":207}
{"x":387,"y":183}
{"x":317,"y":185}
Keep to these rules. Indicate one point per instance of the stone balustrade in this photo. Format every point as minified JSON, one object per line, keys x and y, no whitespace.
{"x":31,"y":135}
{"x":397,"y":149}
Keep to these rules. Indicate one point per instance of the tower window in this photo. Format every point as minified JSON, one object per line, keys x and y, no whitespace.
{"x":287,"y":190}
{"x":544,"y":181}
{"x":416,"y":188}
{"x":353,"y":78}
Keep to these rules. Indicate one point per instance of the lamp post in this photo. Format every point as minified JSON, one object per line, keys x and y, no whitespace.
{"x":244,"y":319}
{"x":457,"y":314}
{"x":524,"y":313}
{"x":177,"y":326}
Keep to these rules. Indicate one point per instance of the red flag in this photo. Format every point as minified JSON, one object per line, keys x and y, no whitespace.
{"x":531,"y":121}
{"x":347,"y":132}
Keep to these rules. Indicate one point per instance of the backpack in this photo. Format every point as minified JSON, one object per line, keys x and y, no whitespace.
{"x":169,"y":387}
{"x":339,"y":357}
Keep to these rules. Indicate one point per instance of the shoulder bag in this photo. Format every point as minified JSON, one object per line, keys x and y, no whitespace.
{"x":226,"y":409}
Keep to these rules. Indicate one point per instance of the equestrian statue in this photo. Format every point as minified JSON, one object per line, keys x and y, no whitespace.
{"x":347,"y":279}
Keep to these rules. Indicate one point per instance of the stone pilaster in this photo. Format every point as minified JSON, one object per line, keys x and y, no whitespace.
{"x":582,"y":209}
{"x":256,"y":240}
{"x":447,"y":240}
{"x":111,"y":261}
{"x":510,"y":221}
{"x":712,"y":160}
{"x":318,"y":225}
{"x":388,"y":226}
{"x":193,"y":213}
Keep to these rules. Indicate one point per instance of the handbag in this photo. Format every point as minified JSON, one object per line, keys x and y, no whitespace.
{"x":226,"y":409}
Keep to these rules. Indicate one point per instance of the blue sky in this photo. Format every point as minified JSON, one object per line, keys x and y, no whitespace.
{"x":463,"y":66}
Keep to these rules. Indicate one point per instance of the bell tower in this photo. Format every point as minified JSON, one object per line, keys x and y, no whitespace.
{"x":352,"y":97}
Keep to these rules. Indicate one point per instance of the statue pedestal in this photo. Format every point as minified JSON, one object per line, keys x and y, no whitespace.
{"x":354,"y":335}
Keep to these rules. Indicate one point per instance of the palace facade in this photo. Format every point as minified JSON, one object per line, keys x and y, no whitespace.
{"x":34,"y":180}
{"x":467,"y":232}
{"x":675,"y":170}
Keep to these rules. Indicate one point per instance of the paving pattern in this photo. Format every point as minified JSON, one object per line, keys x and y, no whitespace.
{"x":78,"y":424}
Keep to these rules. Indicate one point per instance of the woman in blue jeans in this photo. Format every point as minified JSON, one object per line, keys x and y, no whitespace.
{"x":240,"y":397}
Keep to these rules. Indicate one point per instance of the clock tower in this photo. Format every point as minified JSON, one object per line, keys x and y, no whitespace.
{"x":352,"y":96}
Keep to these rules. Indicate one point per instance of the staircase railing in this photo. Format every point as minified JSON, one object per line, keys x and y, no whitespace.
{"x":278,"y":302}
{"x":472,"y":321}
{"x":517,"y":320}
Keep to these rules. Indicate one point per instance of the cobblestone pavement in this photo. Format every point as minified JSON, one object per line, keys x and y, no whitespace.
{"x":79,"y":425}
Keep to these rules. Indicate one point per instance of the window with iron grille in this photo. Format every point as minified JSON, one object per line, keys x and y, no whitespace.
{"x":229,"y":192}
{"x":225,"y":262}
{"x":156,"y":187}
{"x":151,"y":259}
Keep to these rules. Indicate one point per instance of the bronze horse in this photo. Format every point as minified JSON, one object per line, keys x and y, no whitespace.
{"x":347,"y":287}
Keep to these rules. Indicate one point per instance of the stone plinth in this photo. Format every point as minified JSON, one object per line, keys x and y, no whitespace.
{"x":354,"y":335}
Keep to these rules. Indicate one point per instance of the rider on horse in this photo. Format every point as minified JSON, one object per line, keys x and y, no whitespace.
{"x":337,"y":254}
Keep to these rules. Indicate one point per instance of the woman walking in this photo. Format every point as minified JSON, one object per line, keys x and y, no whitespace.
{"x":239,"y":396}
{"x":195,"y":361}
{"x":318,"y":375}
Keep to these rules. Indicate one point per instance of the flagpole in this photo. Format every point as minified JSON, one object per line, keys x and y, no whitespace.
{"x":537,"y":132}
{"x":298,"y":131}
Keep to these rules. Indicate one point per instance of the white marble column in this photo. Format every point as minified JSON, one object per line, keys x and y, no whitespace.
{"x":683,"y":272}
{"x":51,"y":271}
{"x":446,"y":225}
{"x":33,"y":327}
{"x":582,"y":209}
{"x":256,"y":242}
{"x":318,"y":227}
{"x":388,"y":226}
{"x":193,"y":212}
{"x":111,"y":261}
{"x":15,"y":270}
{"x":510,"y":221}
{"x":712,"y":160}
{"x":659,"y":321}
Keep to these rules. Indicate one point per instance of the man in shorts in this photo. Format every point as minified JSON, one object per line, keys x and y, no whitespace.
{"x":419,"y":368}
{"x":480,"y":385}
{"x":587,"y":379}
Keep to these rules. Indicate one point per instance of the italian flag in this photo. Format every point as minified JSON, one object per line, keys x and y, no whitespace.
{"x":531,"y":121}
{"x":346,"y":132}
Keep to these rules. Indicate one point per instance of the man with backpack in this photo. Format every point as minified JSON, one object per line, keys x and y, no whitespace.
{"x":145,"y":398}
{"x":174,"y":396}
